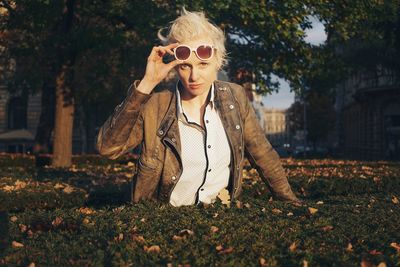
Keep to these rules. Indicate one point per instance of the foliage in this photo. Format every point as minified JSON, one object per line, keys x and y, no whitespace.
{"x":351,"y":221}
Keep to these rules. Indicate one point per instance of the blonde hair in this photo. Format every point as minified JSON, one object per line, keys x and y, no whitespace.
{"x":190,"y":25}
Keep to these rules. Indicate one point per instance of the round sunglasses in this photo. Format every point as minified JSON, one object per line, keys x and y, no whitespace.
{"x":203,"y":52}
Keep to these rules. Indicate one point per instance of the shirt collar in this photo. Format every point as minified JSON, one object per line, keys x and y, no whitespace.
{"x":179,"y":108}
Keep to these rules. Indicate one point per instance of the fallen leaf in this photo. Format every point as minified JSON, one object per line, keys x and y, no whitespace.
{"x":349,"y":247}
{"x":86,"y":221}
{"x":138,"y":238}
{"x":276,"y":211}
{"x":219,"y":248}
{"x":87,"y":211}
{"x":305,"y":263}
{"x":327,"y":228}
{"x":130,"y":164}
{"x":152,"y":249}
{"x":293,"y":247}
{"x":290,"y":214}
{"x":32,"y":264}
{"x":382,"y":264}
{"x":365,"y":263}
{"x":320,"y":203}
{"x":375,"y":252}
{"x":263,"y":262}
{"x":214,"y":229}
{"x":396,"y":246}
{"x":247,"y":205}
{"x":68,"y":189}
{"x":312,"y":210}
{"x":16,"y":244}
{"x":57,"y":221}
{"x":226,"y":251}
{"x":223,"y":195}
{"x":13,"y":218}
{"x":177,"y":237}
{"x":395,"y":200}
{"x":186,"y":232}
{"x":239,"y":204}
{"x":23,"y":228}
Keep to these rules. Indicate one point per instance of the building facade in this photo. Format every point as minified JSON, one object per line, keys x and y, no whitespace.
{"x":368,"y":107}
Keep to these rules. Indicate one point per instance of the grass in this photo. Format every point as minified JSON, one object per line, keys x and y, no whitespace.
{"x":79,"y":216}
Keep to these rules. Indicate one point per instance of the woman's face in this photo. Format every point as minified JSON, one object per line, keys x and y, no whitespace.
{"x":197,"y":75}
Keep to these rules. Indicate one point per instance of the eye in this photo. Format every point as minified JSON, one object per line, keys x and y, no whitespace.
{"x":184,"y":66}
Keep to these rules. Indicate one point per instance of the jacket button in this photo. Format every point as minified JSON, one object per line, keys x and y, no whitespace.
{"x":173,"y":178}
{"x":161,"y":132}
{"x":231,"y":106}
{"x":237,"y":126}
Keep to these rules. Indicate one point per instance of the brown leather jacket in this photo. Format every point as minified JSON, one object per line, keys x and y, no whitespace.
{"x":151,"y":120}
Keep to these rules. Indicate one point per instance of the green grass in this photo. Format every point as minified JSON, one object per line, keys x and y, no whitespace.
{"x":357,"y":218}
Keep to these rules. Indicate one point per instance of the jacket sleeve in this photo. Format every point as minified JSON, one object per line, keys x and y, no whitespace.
{"x":262,"y":155}
{"x":123,"y":130}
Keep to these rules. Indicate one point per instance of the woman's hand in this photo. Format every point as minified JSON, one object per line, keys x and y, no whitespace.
{"x":156,"y":69}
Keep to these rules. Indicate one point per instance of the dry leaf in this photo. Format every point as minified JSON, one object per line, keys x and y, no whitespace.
{"x":396,"y":246}
{"x":16,"y":244}
{"x":87,"y":211}
{"x":214,"y":229}
{"x":327,"y":228}
{"x":57,"y":221}
{"x":186,"y":232}
{"x":320,"y":202}
{"x":86,"y":221}
{"x":68,"y":189}
{"x":177,"y":237}
{"x":239,"y":204}
{"x":247,"y":205}
{"x":226,"y":251}
{"x":276,"y":211}
{"x":223,"y":195}
{"x":23,"y":228}
{"x":263,"y":262}
{"x":349,"y":247}
{"x":293,"y":247}
{"x":151,"y":249}
{"x":219,"y":248}
{"x":130,"y":164}
{"x":32,"y":264}
{"x":312,"y":210}
{"x":290,"y":214}
{"x":138,"y":238}
{"x":382,"y":264}
{"x":395,"y":200}
{"x":365,"y":263}
{"x":13,"y":218}
{"x":305,"y":263}
{"x":375,"y":252}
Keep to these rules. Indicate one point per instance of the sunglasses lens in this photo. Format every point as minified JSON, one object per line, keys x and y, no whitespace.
{"x":182,"y":52}
{"x":204,"y":52}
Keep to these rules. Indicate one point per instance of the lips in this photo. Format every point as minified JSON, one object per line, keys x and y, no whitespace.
{"x":195,"y":85}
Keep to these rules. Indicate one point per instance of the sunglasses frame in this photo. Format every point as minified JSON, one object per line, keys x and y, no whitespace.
{"x":195,"y":51}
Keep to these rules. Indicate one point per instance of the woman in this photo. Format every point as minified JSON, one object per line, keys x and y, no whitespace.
{"x":194,"y":135}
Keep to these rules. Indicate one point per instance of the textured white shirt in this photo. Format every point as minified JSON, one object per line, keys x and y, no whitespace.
{"x":206,"y":156}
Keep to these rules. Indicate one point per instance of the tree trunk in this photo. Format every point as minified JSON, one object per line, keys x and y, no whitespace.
{"x":64,"y":119}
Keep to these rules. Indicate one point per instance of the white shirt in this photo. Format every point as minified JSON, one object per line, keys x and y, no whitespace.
{"x":206,"y":156}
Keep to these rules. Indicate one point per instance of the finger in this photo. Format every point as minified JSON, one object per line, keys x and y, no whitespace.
{"x":174,"y":63}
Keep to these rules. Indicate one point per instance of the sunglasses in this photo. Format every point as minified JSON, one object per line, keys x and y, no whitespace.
{"x":203,"y":52}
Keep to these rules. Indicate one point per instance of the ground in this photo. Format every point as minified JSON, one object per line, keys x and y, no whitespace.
{"x":79,"y":216}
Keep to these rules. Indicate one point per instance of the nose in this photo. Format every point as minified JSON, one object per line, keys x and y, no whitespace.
{"x":194,"y":74}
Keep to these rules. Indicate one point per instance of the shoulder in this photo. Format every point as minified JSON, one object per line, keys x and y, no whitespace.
{"x":237,"y":90}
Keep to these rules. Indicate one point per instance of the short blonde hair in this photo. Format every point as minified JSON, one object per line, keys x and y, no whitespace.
{"x":189,"y":25}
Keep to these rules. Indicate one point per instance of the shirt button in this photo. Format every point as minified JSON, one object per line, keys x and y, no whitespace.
{"x":209,"y":146}
{"x":173,"y":178}
{"x":237,"y":126}
{"x":207,"y":121}
{"x":202,"y":189}
{"x":231,"y":106}
{"x":209,"y":170}
{"x":161,"y":132}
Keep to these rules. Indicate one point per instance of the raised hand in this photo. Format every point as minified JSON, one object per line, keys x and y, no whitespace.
{"x":156,"y":69}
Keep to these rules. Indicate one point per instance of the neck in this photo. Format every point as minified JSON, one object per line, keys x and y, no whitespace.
{"x":194,"y":100}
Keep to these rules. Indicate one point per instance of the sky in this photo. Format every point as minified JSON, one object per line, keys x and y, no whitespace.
{"x":284,"y":98}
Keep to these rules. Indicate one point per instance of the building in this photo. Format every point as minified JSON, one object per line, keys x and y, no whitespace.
{"x":276,"y":126}
{"x":368,"y":107}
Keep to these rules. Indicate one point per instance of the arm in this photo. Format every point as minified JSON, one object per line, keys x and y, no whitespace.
{"x":262,"y":155}
{"x":123,"y":129}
